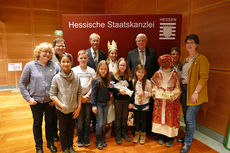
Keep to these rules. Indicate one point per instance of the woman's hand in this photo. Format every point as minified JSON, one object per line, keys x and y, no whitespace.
{"x":32,"y":101}
{"x":76,"y":112}
{"x":94,"y":109}
{"x":51,"y":103}
{"x":194,"y":98}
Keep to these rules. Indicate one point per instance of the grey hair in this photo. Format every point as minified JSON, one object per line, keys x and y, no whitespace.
{"x":94,"y":35}
{"x":141,"y":35}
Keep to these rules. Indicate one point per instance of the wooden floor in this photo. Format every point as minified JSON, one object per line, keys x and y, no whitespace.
{"x":16,"y":133}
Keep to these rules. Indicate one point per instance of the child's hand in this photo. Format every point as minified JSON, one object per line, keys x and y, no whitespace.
{"x":122,"y":92}
{"x":141,"y":94}
{"x":62,"y":106}
{"x":76,"y":112}
{"x":84,"y":99}
{"x":130,"y":106}
{"x":94,"y":109}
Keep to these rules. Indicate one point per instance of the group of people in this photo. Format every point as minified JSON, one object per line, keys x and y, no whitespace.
{"x":152,"y":88}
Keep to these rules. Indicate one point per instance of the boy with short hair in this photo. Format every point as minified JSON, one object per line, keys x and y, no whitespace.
{"x":85,"y":74}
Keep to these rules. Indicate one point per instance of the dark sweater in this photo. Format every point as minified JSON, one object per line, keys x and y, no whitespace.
{"x":99,"y":94}
{"x":116,"y":93}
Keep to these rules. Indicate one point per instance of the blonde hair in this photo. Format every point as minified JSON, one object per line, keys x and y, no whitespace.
{"x":42,"y":47}
{"x":139,"y":67}
{"x":117,"y":73}
{"x":111,"y":47}
{"x":80,"y":52}
{"x":97,"y":75}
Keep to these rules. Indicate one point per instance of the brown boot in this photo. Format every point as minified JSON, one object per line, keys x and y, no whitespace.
{"x":143,"y":137}
{"x":108,"y":132}
{"x":137,"y":137}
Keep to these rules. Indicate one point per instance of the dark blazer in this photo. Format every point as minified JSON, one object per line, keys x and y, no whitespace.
{"x":101,"y":56}
{"x":151,"y":64}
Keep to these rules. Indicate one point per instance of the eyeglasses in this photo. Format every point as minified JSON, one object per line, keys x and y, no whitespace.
{"x":46,"y":52}
{"x":60,"y":46}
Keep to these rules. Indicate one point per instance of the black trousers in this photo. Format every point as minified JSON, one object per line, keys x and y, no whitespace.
{"x":66,"y":128}
{"x":140,"y":120}
{"x":38,"y":111}
{"x":121,"y":116}
{"x":54,"y":124}
{"x":149,"y":117}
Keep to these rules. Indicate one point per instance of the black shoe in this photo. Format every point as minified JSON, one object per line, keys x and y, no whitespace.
{"x":181,"y":140}
{"x":52,"y":148}
{"x":169,"y":143}
{"x":126,"y":137}
{"x":80,"y":142}
{"x":56,"y":138}
{"x":118,"y":139}
{"x":39,"y":151}
{"x":99,"y":145}
{"x":87,"y":142}
{"x":104,"y":144}
{"x":185,"y":148}
{"x":161,"y":141}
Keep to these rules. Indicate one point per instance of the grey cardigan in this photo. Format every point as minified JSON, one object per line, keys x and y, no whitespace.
{"x":66,"y":88}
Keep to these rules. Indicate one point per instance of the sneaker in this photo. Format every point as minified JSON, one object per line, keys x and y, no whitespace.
{"x":137,"y":137}
{"x":143,"y":137}
{"x":161,"y":141}
{"x":87,"y":142}
{"x":80,"y":142}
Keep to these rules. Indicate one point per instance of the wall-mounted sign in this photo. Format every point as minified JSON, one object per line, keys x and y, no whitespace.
{"x":163,"y":31}
{"x":14,"y":66}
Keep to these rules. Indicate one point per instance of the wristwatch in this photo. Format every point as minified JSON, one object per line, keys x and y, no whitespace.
{"x":196,"y":92}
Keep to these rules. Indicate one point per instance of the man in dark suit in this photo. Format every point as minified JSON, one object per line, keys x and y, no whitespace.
{"x":95,"y":54}
{"x":147,"y":57}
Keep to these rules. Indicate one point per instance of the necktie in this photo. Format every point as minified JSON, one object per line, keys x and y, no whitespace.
{"x":142,"y":57}
{"x":95,"y":57}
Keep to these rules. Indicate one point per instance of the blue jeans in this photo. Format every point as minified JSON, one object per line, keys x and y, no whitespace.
{"x":83,"y":121}
{"x":101,"y":116}
{"x":190,"y":113}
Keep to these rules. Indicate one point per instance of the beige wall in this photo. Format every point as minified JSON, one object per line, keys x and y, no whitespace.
{"x":25,"y":23}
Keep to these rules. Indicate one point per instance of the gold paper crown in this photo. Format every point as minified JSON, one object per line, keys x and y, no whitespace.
{"x":112,"y":46}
